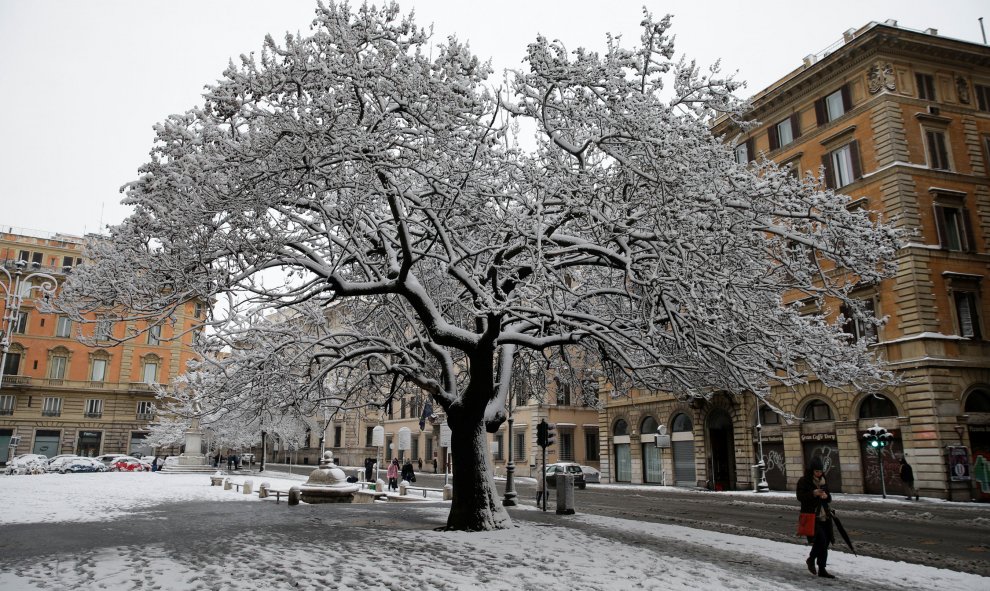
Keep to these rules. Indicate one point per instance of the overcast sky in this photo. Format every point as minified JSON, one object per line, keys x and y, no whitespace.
{"x":82,"y":82}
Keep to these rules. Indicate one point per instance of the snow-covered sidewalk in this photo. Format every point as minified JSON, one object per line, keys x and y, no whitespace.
{"x":395,"y":546}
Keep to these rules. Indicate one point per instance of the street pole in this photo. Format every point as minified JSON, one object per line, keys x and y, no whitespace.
{"x":509,"y":500}
{"x":762,"y":485}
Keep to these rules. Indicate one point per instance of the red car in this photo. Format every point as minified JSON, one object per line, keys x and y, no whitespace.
{"x":129,"y":464}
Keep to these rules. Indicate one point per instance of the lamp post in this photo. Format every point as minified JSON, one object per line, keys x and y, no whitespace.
{"x":762,"y":485}
{"x":16,"y":288}
{"x":509,"y":498}
{"x":878,"y":438}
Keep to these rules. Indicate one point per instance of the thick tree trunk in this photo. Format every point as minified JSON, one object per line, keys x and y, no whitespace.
{"x":475,"y":505}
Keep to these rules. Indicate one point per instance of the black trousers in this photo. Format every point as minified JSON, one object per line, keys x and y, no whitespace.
{"x":819,"y":545}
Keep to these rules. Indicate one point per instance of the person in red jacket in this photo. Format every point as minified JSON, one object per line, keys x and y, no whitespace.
{"x":393,"y":474}
{"x":813,"y":494}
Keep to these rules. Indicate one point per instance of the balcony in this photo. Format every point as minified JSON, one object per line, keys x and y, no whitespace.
{"x":145,"y":416}
{"x":9,"y":380}
{"x":27,"y":382}
{"x":94,"y":415}
{"x":6,"y":412}
{"x":51,"y":413}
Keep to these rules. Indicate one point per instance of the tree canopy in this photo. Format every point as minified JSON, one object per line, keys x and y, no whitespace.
{"x":358,"y":174}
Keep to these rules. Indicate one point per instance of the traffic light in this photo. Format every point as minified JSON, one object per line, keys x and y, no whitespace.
{"x":551,"y":434}
{"x":541,"y":433}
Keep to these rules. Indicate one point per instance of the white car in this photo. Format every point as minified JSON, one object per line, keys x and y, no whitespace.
{"x":26,"y":464}
{"x":591,"y":475}
{"x":56,"y":462}
{"x":81,"y":464}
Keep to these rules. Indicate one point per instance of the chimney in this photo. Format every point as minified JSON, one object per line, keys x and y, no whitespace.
{"x":931,"y":31}
{"x":809,"y":60}
{"x":890,"y":22}
{"x":848,"y":35}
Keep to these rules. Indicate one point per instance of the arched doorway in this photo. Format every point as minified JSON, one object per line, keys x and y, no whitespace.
{"x":977,"y":406}
{"x":623,"y":458}
{"x":880,"y":407}
{"x":818,"y":439}
{"x":721,"y":449}
{"x":652,"y":471}
{"x":682,"y":443}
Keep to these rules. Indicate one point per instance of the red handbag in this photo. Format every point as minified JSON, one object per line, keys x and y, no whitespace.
{"x":806,"y":524}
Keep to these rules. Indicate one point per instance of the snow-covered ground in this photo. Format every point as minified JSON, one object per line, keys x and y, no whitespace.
{"x":573,"y":552}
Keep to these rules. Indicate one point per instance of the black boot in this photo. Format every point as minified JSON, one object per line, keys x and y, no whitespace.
{"x":811,"y":565}
{"x":824,"y":573}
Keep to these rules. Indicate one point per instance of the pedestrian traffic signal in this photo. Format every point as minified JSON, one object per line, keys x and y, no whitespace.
{"x":551,"y":434}
{"x":541,"y":433}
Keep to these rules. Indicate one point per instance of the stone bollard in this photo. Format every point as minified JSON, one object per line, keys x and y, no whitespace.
{"x":565,"y":494}
{"x":216,"y":480}
{"x":248,"y":487}
{"x":294,"y":494}
{"x":380,"y":486}
{"x":226,"y":484}
{"x":402,"y":488}
{"x":448,"y":492}
{"x":263,"y":490}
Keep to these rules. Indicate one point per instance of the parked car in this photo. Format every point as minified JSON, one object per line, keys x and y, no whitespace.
{"x":75,"y":465}
{"x":26,"y":464}
{"x":565,"y":468}
{"x":130,"y":464}
{"x":55,"y":463}
{"x":109,"y":459}
{"x":591,"y":475}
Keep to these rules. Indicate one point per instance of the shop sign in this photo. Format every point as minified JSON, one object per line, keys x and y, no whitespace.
{"x":818,"y":437}
{"x":958,"y":458}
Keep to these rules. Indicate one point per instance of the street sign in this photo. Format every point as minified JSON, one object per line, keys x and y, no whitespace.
{"x":405,"y":439}
{"x":378,"y":436}
{"x":444,"y":435}
{"x":663,"y":441}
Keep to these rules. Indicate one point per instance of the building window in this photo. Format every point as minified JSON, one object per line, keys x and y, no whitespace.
{"x":877,"y":406}
{"x":498,"y":444}
{"x":7,"y":404}
{"x":621,"y":428}
{"x":402,"y":408}
{"x":842,"y":166}
{"x":155,"y":334}
{"x":682,"y":424}
{"x":784,"y":132}
{"x":197,"y":310}
{"x":518,"y":446}
{"x":104,"y":328}
{"x":63,"y":327}
{"x":648,"y":426}
{"x":566,"y":446}
{"x":952,"y":223}
{"x":967,"y":314}
{"x":21,"y":324}
{"x":745,"y":152}
{"x":94,"y":408}
{"x":926,"y":86}
{"x":937,"y":150}
{"x":563,"y":394}
{"x":12,"y":364}
{"x":768,"y":416}
{"x":145,"y":410}
{"x":369,"y":436}
{"x":833,"y":106}
{"x":52,"y":407}
{"x":56,"y":367}
{"x":817,"y":411}
{"x":99,"y":370}
{"x":591,"y":446}
{"x":982,"y":97}
{"x":338,"y":436}
{"x":150,"y":375}
{"x":861,"y":327}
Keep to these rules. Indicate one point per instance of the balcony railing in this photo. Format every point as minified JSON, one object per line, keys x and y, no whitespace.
{"x":6,"y":411}
{"x":51,"y":413}
{"x":9,"y":380}
{"x":27,"y":381}
{"x":145,"y":416}
{"x":94,"y":415}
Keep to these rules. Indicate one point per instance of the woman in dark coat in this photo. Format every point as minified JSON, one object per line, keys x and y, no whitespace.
{"x":813,"y":494}
{"x":407,"y":472}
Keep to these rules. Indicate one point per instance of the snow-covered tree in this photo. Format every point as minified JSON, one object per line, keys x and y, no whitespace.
{"x":357,"y":169}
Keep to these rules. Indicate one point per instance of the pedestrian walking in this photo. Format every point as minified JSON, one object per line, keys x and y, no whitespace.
{"x":420,"y":463}
{"x":407,"y":472}
{"x":434,"y":465}
{"x":230,"y":462}
{"x":393,"y":474}
{"x":154,"y":464}
{"x":816,"y":517}
{"x":369,"y":465}
{"x":907,"y":477}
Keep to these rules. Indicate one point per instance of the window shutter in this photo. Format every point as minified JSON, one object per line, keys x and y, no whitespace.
{"x":847,"y":103}
{"x":965,"y":312}
{"x":820,"y":112}
{"x":774,"y":137}
{"x":940,"y":224}
{"x":854,"y":156}
{"x":796,"y":125}
{"x":829,"y":175}
{"x":969,"y":244}
{"x":751,"y":149}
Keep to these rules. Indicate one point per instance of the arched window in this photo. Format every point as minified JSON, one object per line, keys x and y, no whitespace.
{"x":978,"y":401}
{"x":648,"y":426}
{"x":877,"y":406}
{"x":621,"y":428}
{"x":682,"y":423}
{"x":817,"y":410}
{"x":768,"y":416}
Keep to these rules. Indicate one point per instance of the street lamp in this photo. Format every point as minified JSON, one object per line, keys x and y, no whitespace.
{"x":509,"y":498}
{"x":762,"y":485}
{"x":16,"y":288}
{"x":878,"y":438}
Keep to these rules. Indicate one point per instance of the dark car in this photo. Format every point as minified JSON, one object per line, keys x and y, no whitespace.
{"x":566,"y":468}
